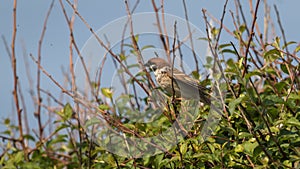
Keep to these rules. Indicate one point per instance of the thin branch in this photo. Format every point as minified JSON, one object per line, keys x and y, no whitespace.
{"x":258,"y":33}
{"x":16,"y":79}
{"x":162,"y":36}
{"x":39,"y":98}
{"x":190,"y":34}
{"x":165,"y":27}
{"x":282,"y":31}
{"x":250,"y":38}
{"x":243,"y":16}
{"x":266,"y":21}
{"x":221,"y":26}
{"x":133,"y":39}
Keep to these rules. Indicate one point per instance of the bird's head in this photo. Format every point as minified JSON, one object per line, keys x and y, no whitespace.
{"x":156,"y":63}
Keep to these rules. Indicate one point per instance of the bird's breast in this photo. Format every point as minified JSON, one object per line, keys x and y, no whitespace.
{"x":165,"y":82}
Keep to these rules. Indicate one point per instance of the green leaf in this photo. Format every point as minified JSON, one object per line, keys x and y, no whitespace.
{"x":232,"y":105}
{"x":276,"y":43}
{"x":147,"y":46}
{"x":214,"y":31}
{"x":68,"y":111}
{"x":128,"y":45}
{"x":228,"y":51}
{"x":297,"y":49}
{"x":223,"y":46}
{"x":183,"y":148}
{"x":203,"y":38}
{"x":272,"y":55}
{"x":106,"y":92}
{"x":293,"y":122}
{"x":195,"y":74}
{"x":239,"y":148}
{"x":249,"y":147}
{"x":294,"y":96}
{"x":254,"y":73}
{"x":133,"y":66}
{"x":284,"y":68}
{"x":19,"y":157}
{"x":280,"y":86}
{"x":257,"y":151}
{"x":242,"y":28}
{"x":240,"y":63}
{"x":289,"y":43}
{"x":122,"y":57}
{"x":103,"y":107}
{"x":59,"y":139}
{"x":92,"y":121}
{"x":272,"y":99}
{"x":243,"y":135}
{"x":7,"y":121}
{"x":209,"y":60}
{"x":29,"y":137}
{"x":62,"y":126}
{"x":136,"y":38}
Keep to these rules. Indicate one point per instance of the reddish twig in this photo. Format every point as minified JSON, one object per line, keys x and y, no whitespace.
{"x":16,"y":79}
{"x":254,"y":16}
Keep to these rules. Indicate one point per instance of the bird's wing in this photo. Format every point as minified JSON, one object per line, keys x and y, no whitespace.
{"x":184,"y":81}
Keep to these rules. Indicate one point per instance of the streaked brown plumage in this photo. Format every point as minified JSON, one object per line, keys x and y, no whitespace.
{"x":183,"y":85}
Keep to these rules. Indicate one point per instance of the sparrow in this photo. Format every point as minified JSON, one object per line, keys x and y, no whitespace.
{"x":175,"y":82}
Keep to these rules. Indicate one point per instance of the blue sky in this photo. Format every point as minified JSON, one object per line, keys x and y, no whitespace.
{"x":55,"y":50}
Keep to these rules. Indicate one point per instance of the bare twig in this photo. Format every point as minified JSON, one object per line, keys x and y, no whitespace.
{"x":258,"y":33}
{"x":133,"y":39}
{"x":221,"y":26}
{"x":162,"y":36}
{"x":266,"y":21}
{"x":254,"y":16}
{"x":165,"y":27}
{"x":243,"y":15}
{"x":16,"y":79}
{"x":190,"y":34}
{"x":39,"y":98}
{"x":282,"y":32}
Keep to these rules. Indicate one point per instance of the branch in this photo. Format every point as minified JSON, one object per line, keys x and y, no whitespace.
{"x":16,"y":78}
{"x":39,"y":98}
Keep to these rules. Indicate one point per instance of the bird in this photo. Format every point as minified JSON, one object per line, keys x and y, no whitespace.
{"x":176,"y":83}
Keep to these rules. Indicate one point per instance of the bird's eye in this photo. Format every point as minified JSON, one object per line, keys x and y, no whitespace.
{"x":153,"y":67}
